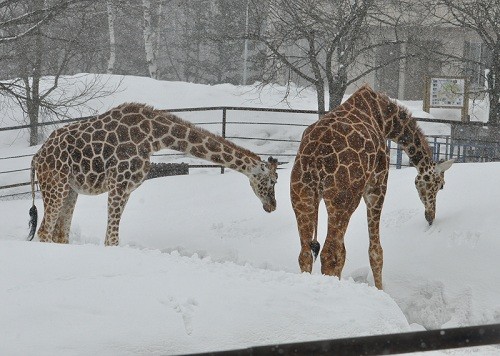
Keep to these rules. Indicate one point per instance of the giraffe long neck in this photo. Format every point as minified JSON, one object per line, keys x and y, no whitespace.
{"x":171,"y":132}
{"x":396,"y":123}
{"x":403,"y":129}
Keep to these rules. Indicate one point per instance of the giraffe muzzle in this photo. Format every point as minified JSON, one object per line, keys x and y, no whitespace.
{"x":429,"y":216}
{"x":269,"y":208}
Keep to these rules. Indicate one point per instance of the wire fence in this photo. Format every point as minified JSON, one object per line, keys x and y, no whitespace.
{"x":249,"y":132}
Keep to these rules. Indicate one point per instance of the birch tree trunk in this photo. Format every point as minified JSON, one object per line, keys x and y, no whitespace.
{"x":159,"y":24}
{"x":112,"y":43}
{"x":149,"y":40}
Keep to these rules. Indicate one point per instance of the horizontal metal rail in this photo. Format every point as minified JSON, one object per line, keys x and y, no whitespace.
{"x":464,"y":150}
{"x":227,"y":108}
{"x":15,"y":170}
{"x":389,"y":344}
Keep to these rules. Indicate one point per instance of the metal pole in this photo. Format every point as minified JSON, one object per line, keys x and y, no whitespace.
{"x":245,"y":51}
{"x":399,"y":157}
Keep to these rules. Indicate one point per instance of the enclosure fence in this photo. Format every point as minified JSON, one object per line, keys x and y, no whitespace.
{"x":443,"y":146}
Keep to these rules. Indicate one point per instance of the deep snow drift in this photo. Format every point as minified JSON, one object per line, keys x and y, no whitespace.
{"x":202,"y":267}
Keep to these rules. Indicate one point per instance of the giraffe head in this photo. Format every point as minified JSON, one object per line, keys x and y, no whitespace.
{"x":428,"y":182}
{"x":262,"y":179}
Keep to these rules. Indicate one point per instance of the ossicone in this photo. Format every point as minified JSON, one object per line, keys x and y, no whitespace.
{"x":272,"y":161}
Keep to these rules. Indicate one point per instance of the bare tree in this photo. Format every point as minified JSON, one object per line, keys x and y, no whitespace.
{"x":40,"y":59}
{"x":30,"y":20}
{"x":327,"y":44}
{"x":482,"y":17}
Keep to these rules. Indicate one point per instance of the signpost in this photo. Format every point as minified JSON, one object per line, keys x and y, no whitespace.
{"x":448,"y":93}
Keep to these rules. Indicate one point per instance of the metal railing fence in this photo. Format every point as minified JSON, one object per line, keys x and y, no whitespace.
{"x":442,"y":145}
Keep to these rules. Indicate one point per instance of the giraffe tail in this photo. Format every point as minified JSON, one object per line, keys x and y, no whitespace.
{"x":314,"y":244}
{"x":33,"y":211}
{"x":315,"y":247}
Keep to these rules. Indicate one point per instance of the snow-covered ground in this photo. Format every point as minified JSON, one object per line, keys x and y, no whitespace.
{"x":201,"y":267}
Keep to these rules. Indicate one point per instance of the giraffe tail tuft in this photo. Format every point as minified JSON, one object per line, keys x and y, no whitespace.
{"x":315,"y":247}
{"x":33,"y":222}
{"x":33,"y":210}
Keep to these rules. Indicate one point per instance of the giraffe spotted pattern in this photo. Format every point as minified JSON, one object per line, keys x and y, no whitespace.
{"x":111,"y":153}
{"x":342,"y":158}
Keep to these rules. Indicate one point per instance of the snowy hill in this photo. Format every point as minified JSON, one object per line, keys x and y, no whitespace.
{"x":201,"y":267}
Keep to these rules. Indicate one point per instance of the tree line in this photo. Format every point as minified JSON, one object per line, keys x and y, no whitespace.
{"x":325,"y":44}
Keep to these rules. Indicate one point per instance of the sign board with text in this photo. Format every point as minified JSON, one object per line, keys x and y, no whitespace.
{"x":448,"y":93}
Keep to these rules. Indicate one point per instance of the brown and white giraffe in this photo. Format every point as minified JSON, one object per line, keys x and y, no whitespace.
{"x":343,"y":157}
{"x":111,"y":153}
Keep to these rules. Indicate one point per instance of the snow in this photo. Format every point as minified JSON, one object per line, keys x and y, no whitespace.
{"x":201,"y":266}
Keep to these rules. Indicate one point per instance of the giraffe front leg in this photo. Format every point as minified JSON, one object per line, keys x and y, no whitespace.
{"x":375,"y":250}
{"x":117,"y":199}
{"x":374,"y":199}
{"x":333,"y":252}
{"x":306,"y":214}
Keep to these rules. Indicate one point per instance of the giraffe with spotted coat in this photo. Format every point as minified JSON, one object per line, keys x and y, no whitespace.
{"x":111,"y":153}
{"x":342,"y":158}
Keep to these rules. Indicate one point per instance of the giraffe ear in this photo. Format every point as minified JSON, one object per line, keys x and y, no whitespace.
{"x":272,"y":161}
{"x":443,"y":166}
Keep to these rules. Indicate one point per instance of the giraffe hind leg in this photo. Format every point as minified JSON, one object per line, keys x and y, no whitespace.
{"x":62,"y":227}
{"x":53,"y":201}
{"x":374,"y":199}
{"x":117,"y":199}
{"x":340,"y":206}
{"x":306,"y":213}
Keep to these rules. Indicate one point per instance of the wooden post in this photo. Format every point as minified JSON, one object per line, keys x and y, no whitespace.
{"x":465,"y":107}
{"x":427,"y":93}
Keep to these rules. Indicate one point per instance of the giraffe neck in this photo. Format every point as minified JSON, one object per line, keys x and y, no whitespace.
{"x":396,"y":123}
{"x":402,"y":129}
{"x":171,"y":132}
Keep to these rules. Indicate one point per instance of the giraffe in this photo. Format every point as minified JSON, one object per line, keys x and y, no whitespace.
{"x":343,"y":157}
{"x":111,"y":153}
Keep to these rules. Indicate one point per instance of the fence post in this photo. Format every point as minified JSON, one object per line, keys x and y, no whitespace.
{"x":224,"y":119}
{"x":399,"y":157}
{"x":437,"y":149}
{"x":447,"y":149}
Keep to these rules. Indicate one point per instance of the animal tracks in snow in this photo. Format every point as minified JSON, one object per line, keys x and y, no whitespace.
{"x":398,"y":218}
{"x":186,"y":310}
{"x":432,"y":306}
{"x":467,"y":238}
{"x":236,"y":229}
